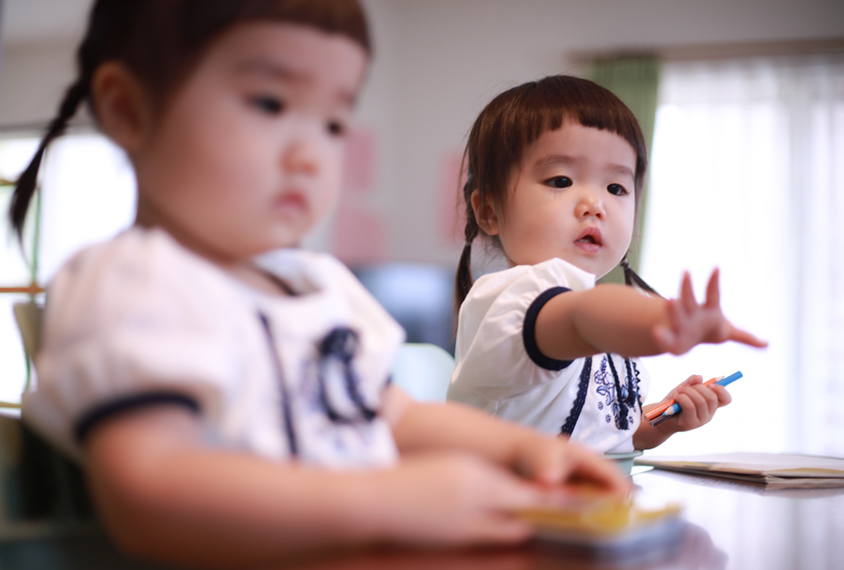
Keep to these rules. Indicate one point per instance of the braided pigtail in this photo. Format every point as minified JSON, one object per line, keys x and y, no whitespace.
{"x":463,"y":280}
{"x":632,"y":278}
{"x":28,"y":181}
{"x":105,"y":22}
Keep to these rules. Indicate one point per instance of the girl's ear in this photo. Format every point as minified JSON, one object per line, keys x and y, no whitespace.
{"x":121,"y":105}
{"x":485,"y":215}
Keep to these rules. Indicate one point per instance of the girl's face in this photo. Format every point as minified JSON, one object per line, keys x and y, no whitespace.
{"x":247,"y":154}
{"x":572,"y":197}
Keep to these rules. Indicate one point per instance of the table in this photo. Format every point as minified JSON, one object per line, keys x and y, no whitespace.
{"x":727,"y":526}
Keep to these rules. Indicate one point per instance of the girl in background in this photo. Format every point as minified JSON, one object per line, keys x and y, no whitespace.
{"x":226,"y":393}
{"x":555,"y":172}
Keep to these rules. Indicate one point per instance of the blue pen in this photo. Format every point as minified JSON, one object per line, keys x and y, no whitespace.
{"x":725,"y":381}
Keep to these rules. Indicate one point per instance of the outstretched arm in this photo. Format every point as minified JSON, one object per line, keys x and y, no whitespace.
{"x":620,"y":319}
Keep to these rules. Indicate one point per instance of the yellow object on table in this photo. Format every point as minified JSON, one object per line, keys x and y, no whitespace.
{"x":601,"y":523}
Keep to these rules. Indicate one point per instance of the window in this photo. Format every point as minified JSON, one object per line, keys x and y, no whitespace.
{"x":747,"y":174}
{"x":88,"y":194}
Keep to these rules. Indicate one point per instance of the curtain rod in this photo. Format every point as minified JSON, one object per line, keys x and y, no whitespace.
{"x":691,"y":52}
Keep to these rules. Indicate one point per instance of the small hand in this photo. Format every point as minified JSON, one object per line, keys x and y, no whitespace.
{"x":455,"y":499}
{"x":691,"y":323}
{"x":698,"y":401}
{"x":555,"y":462}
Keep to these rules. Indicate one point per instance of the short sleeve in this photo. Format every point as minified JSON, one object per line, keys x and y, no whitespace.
{"x":529,"y":331}
{"x":493,"y":356}
{"x":123,"y":323}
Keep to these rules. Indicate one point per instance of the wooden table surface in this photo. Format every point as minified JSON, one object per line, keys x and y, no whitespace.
{"x":725,"y":526}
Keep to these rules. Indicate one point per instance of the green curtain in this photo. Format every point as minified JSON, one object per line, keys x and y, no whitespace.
{"x":635,"y":79}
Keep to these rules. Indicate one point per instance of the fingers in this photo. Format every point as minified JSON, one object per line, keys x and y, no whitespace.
{"x":584,"y":468}
{"x":699,"y":403}
{"x":713,"y":291}
{"x":571,"y":465}
{"x":687,"y":294}
{"x":692,"y":380}
{"x":744,"y":337}
{"x":488,"y":504}
{"x":502,"y":528}
{"x":508,"y":492}
{"x":722,"y":394}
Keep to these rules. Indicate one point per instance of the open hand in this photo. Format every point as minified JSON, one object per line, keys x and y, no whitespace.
{"x":691,"y":323}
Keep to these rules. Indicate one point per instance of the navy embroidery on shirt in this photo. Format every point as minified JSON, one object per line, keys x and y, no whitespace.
{"x":619,"y":408}
{"x":618,"y":397}
{"x":634,"y":376}
{"x":580,"y":399}
{"x":339,"y":347}
{"x":605,"y":388}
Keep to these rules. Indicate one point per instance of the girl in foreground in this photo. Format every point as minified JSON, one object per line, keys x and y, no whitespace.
{"x":555,"y":171}
{"x":226,"y":393}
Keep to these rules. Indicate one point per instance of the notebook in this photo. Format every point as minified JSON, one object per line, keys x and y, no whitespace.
{"x":775,"y":470}
{"x":606,"y":525}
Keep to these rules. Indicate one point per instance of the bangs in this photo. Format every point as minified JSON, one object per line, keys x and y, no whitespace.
{"x":161,"y":40}
{"x":342,"y":17}
{"x":546,"y":104}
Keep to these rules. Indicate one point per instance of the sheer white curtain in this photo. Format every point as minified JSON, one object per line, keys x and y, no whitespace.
{"x":748,"y":175}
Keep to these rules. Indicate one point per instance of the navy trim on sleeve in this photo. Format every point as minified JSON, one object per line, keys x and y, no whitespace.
{"x":529,"y":331}
{"x":122,"y":405}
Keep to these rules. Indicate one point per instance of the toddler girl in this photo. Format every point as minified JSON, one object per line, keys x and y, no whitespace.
{"x":227,"y":394}
{"x":555,"y":171}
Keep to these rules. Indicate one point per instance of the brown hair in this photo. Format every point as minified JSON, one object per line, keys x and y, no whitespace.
{"x":160,"y":41}
{"x":511,"y":122}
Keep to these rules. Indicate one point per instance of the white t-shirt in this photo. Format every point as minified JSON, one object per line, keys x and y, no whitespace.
{"x":596,"y":400}
{"x":141,"y":321}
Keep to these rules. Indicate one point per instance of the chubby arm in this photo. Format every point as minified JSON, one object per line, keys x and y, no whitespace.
{"x":620,"y":319}
{"x":551,"y":461}
{"x":164,"y":494}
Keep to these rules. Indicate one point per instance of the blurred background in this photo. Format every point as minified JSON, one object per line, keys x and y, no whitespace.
{"x":743,"y":101}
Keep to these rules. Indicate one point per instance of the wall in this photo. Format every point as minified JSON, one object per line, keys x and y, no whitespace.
{"x":437,"y":63}
{"x":455,"y":55}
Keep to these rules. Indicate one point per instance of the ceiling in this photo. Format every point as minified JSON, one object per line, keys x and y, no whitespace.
{"x":42,"y":21}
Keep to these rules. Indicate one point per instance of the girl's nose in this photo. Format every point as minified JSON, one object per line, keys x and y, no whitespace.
{"x":590,"y":204}
{"x":303,"y":153}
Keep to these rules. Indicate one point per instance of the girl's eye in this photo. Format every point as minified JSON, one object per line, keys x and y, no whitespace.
{"x":617,"y":190}
{"x":336,"y":128}
{"x":559,"y":182}
{"x":269,"y":105}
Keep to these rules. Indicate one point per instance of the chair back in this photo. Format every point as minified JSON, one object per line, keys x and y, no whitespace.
{"x":29,"y":316}
{"x":423,"y":371}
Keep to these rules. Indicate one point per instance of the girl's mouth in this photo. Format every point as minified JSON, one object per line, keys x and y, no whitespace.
{"x":291,"y":204}
{"x":590,"y":239}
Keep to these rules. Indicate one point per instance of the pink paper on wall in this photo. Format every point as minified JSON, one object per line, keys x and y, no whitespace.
{"x":452,"y":212}
{"x":359,"y":235}
{"x":359,"y":163}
